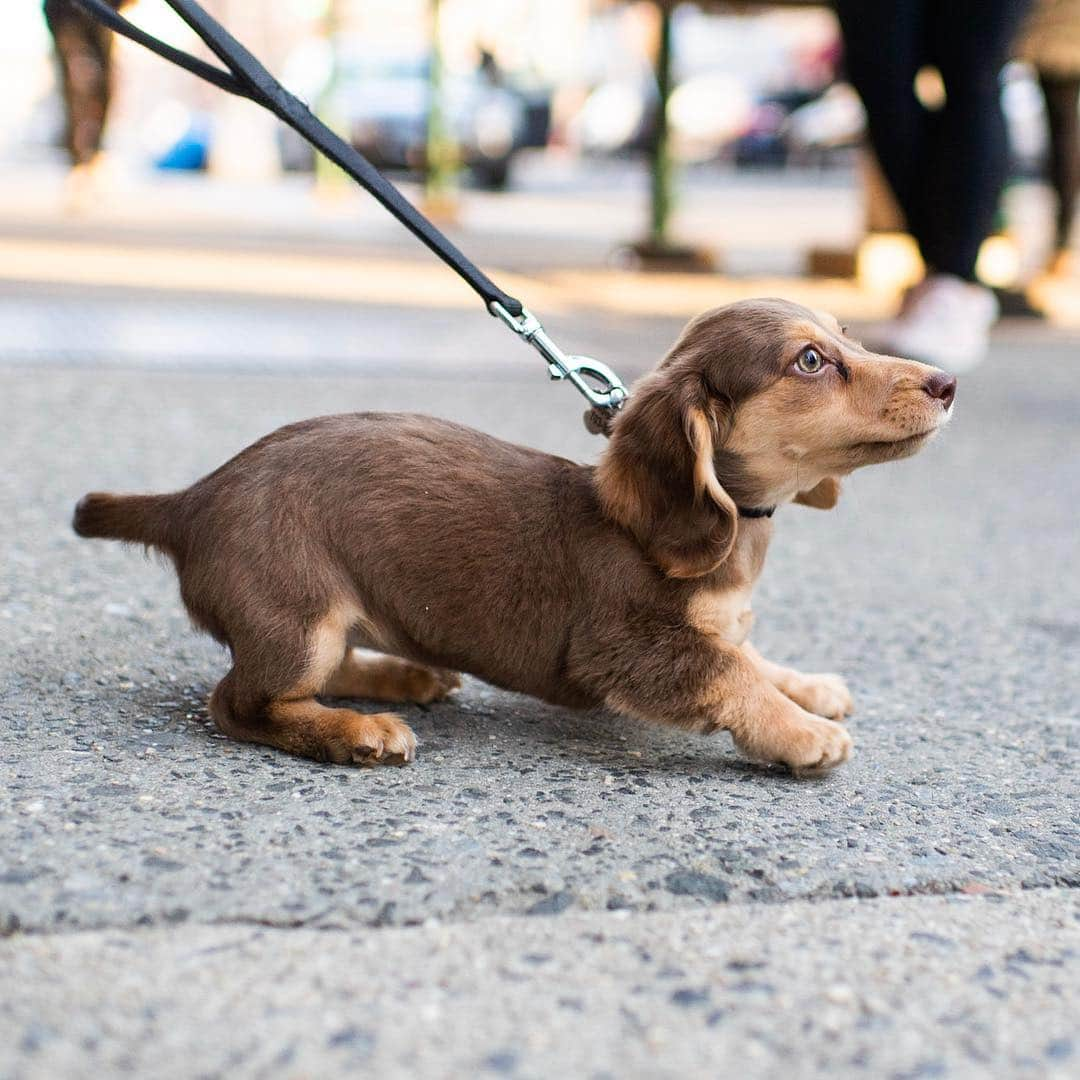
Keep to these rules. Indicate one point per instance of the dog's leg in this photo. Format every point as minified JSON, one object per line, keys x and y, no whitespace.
{"x":269,"y":697}
{"x":825,"y":695}
{"x":388,"y":678}
{"x":694,"y":681}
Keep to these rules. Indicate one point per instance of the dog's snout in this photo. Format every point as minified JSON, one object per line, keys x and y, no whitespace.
{"x":942,"y":387}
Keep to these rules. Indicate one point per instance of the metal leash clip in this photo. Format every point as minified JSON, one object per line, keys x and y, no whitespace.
{"x":608,"y":393}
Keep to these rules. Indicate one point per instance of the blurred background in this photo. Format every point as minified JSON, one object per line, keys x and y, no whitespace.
{"x":530,"y":129}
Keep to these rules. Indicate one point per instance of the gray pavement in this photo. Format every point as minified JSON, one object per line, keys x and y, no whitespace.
{"x":874,"y":988}
{"x":543,"y":893}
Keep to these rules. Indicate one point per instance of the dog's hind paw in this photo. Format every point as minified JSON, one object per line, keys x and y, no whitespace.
{"x":373,"y":739}
{"x":433,"y":684}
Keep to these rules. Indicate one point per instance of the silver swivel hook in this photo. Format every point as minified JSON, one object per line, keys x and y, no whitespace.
{"x":601,"y":387}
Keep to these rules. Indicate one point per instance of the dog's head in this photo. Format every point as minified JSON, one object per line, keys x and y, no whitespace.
{"x":758,"y":403}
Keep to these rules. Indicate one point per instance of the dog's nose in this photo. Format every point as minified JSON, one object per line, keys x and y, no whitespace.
{"x":941,"y":386}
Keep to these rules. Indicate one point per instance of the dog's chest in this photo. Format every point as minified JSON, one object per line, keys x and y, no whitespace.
{"x":723,"y":613}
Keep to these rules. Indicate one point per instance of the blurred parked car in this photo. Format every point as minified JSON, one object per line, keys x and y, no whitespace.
{"x":382,"y":105}
{"x":737,"y":79}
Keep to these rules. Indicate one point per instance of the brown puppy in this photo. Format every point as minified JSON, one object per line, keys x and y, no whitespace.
{"x":446,"y":550}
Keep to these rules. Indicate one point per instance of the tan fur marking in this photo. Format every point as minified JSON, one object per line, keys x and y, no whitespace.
{"x":365,"y":633}
{"x":388,"y":678}
{"x":723,"y":613}
{"x":779,"y":730}
{"x":295,"y":722}
{"x":822,"y":694}
{"x":326,"y":650}
{"x":705,"y":479}
{"x":342,"y":736}
{"x":764,"y":724}
{"x":822,"y":496}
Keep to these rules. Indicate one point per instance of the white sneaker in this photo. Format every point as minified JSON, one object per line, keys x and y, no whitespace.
{"x":944,"y":321}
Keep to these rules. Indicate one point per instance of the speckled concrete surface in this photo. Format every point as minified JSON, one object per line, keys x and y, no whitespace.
{"x":884,"y":988}
{"x":944,"y":589}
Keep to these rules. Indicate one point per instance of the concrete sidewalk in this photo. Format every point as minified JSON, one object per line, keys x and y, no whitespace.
{"x":559,"y":211}
{"x":543,"y":893}
{"x":559,"y":238}
{"x":870,"y":988}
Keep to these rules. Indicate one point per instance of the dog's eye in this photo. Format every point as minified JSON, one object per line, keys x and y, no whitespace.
{"x":810,"y":361}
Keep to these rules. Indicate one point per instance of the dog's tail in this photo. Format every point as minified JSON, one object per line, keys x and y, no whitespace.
{"x":136,"y":519}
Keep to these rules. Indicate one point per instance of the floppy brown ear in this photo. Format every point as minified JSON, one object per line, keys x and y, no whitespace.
{"x":658,"y":480}
{"x":823,"y":496}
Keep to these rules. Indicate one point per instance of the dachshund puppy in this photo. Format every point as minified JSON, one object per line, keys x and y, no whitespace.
{"x":445,"y":550}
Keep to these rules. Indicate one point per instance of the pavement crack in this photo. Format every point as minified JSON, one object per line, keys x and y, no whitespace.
{"x":329,"y":920}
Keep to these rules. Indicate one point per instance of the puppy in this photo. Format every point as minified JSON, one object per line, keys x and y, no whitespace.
{"x":445,"y":550}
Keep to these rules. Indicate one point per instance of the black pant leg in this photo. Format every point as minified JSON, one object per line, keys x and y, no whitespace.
{"x":967,"y":154}
{"x":884,"y":47}
{"x":1062,"y":96}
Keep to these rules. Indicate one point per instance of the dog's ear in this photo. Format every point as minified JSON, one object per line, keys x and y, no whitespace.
{"x":822,"y":496}
{"x":658,"y":477}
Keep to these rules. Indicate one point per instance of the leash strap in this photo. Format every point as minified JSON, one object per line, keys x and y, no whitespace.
{"x":248,"y":78}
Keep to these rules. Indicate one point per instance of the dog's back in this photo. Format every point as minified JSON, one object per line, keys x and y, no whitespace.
{"x":454,"y":540}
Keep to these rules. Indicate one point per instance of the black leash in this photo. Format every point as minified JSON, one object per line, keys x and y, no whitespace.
{"x":246,"y":77}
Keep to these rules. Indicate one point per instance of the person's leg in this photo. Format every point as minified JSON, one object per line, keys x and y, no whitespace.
{"x":947,"y":318}
{"x":1062,"y":100}
{"x":84,"y":52}
{"x":967,"y":155}
{"x":884,"y":47}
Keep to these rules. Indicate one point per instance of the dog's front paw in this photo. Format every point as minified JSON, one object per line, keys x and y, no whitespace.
{"x":819,"y":746}
{"x":823,"y":695}
{"x":788,"y":735}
